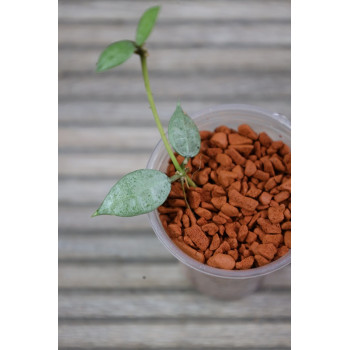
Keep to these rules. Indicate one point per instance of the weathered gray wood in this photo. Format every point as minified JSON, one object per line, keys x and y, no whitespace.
{"x":119,"y":305}
{"x":121,"y":275}
{"x":234,"y":85}
{"x":119,"y":287}
{"x":79,"y":218}
{"x":101,"y":164}
{"x":107,"y":246}
{"x":191,"y":59}
{"x":128,"y":275}
{"x":161,"y":336}
{"x":179,"y":33}
{"x":120,"y":113}
{"x":189,"y":10}
{"x":110,"y":139}
{"x":82,"y":191}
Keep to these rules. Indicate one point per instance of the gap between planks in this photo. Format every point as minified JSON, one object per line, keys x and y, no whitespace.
{"x":170,"y":320}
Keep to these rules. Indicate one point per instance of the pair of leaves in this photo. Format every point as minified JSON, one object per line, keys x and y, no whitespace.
{"x":142,"y":191}
{"x":120,"y":51}
{"x":145,"y":190}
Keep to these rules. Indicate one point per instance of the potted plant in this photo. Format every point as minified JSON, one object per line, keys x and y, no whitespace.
{"x":221,"y":204}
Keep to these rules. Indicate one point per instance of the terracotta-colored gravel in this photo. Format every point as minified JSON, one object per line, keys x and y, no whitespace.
{"x":240,"y":215}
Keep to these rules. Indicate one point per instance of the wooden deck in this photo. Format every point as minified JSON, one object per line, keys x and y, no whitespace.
{"x":118,"y":286}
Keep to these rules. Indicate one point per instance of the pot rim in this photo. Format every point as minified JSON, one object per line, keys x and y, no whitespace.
{"x":177,"y":252}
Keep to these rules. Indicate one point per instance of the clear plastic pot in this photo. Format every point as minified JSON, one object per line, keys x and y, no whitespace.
{"x":219,"y":283}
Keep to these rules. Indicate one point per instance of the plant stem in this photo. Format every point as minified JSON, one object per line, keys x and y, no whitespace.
{"x":155,"y":113}
{"x":143,"y":54}
{"x":175,"y":178}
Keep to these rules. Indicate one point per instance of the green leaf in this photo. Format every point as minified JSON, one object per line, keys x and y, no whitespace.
{"x":183,"y":133}
{"x":115,"y":54}
{"x":136,"y":193}
{"x":146,"y":24}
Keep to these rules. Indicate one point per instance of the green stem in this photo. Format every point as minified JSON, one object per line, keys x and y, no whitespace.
{"x":143,"y":54}
{"x":155,"y":113}
{"x":175,"y":178}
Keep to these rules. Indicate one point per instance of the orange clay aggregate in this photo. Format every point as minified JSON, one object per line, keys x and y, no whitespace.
{"x":240,"y":215}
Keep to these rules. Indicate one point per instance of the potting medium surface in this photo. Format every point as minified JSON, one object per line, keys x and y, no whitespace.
{"x":239,"y":215}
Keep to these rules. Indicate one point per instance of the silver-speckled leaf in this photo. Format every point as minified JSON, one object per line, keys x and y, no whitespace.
{"x":136,"y":193}
{"x":183,"y":133}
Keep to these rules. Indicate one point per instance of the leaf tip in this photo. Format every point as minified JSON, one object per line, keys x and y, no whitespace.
{"x":178,"y":106}
{"x":95,"y":214}
{"x":99,"y":66}
{"x":156,"y":9}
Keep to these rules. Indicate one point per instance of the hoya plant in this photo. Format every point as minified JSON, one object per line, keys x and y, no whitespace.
{"x":144,"y":190}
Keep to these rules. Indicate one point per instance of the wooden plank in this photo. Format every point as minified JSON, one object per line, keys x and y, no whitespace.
{"x":82,"y":191}
{"x":173,"y":10}
{"x":158,"y":275}
{"x":160,"y":335}
{"x":101,"y":164}
{"x":233,"y":85}
{"x":109,"y":139}
{"x":120,"y":113}
{"x":188,"y":34}
{"x":100,"y":113}
{"x":107,"y":246}
{"x":79,"y":218}
{"x":201,"y":59}
{"x":159,"y":304}
{"x":118,"y":275}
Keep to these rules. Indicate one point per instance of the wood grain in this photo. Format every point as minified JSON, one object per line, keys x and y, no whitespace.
{"x":121,"y":276}
{"x":191,"y":59}
{"x":183,"y":34}
{"x":230,"y":84}
{"x":95,"y":305}
{"x":80,"y":191}
{"x":128,"y":275}
{"x":116,"y":247}
{"x":101,"y":164}
{"x":191,"y":334}
{"x":171,"y":11}
{"x":118,"y":113}
{"x":79,"y":218}
{"x":109,"y":139}
{"x":119,"y":288}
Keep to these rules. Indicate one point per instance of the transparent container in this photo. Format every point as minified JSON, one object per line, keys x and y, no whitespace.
{"x":219,"y":283}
